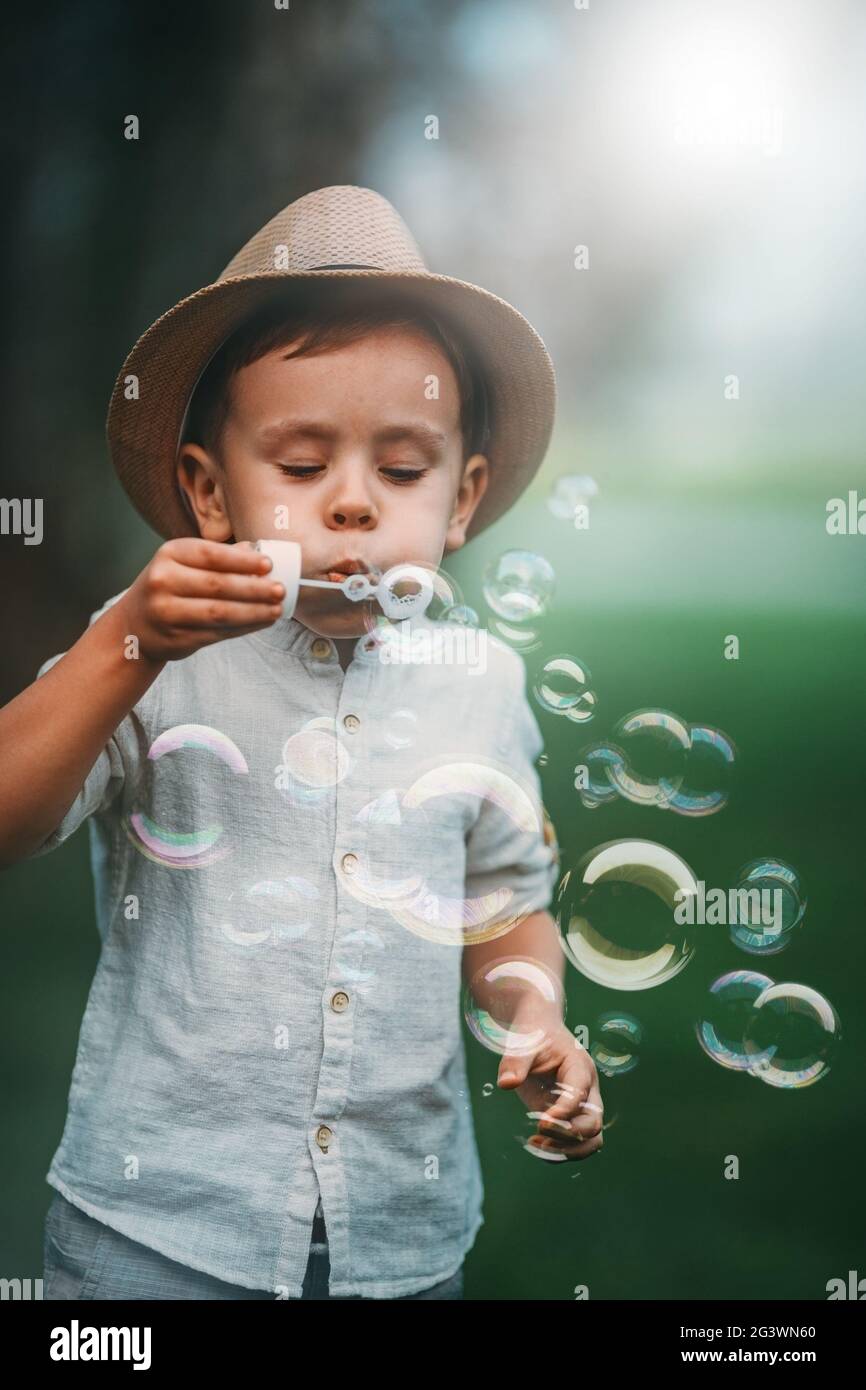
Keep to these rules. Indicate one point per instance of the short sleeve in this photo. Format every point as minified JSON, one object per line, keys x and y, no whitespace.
{"x":116,"y":762}
{"x":515,"y":848}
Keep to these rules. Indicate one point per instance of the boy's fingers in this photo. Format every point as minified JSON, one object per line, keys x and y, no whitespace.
{"x":578,"y":1103}
{"x":198,"y":553}
{"x":570,"y":1147}
{"x":188,"y":582}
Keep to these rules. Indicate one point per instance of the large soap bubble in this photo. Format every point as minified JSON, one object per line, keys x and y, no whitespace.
{"x":615,"y":913}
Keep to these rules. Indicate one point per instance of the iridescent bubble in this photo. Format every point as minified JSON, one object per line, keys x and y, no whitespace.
{"x":721,"y":1030}
{"x":455,"y":800}
{"x":313,"y":761}
{"x":512,"y":1005}
{"x":400,"y":728}
{"x":521,"y":639}
{"x":568,"y":492}
{"x":655,"y":743}
{"x":272,"y":910}
{"x":507,"y":807}
{"x":616,"y":1048}
{"x":190,"y":849}
{"x":708,"y":773}
{"x":595,"y":785}
{"x":766,"y":905}
{"x":519,"y":585}
{"x":792,"y":1036}
{"x":460,"y":614}
{"x":562,"y":687}
{"x":616,"y":914}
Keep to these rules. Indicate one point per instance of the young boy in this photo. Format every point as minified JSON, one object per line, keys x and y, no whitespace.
{"x":300,"y":847}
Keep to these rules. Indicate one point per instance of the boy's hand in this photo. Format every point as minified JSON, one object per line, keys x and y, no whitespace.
{"x":559,"y":1082}
{"x":195,"y":592}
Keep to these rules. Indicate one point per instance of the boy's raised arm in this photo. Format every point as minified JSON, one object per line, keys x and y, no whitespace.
{"x":192,"y":593}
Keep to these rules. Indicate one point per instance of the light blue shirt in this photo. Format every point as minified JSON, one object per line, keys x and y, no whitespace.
{"x":286,"y":858}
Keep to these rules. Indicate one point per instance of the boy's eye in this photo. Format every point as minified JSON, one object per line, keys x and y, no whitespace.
{"x":404,"y":475}
{"x":394,"y":475}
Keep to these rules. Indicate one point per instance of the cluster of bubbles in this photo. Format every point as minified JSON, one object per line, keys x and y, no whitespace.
{"x":784,"y":1034}
{"x":771,"y":904}
{"x":569,"y":498}
{"x":654,"y":758}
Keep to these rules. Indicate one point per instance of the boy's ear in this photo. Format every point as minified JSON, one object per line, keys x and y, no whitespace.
{"x":473,"y":485}
{"x":200,"y":478}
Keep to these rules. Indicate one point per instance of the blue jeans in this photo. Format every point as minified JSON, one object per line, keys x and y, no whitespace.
{"x":85,"y":1259}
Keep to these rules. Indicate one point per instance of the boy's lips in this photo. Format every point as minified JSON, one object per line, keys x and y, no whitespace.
{"x":342,"y":569}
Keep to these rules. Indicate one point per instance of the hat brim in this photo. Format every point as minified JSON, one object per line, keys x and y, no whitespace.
{"x":145,"y":422}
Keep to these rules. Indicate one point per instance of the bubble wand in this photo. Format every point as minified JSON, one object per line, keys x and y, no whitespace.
{"x":286,"y":557}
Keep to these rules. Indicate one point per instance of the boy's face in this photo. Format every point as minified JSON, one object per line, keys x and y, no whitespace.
{"x":346,"y":447}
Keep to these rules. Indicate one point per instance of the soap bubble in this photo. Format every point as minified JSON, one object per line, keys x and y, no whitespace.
{"x":272,"y":910}
{"x":448,"y":799}
{"x":708,"y":773}
{"x":446,"y":595}
{"x":771,"y":902}
{"x":519,"y":585}
{"x":722,"y":1028}
{"x":492,"y":998}
{"x":655,"y":743}
{"x":616,"y":1049}
{"x":313,"y":761}
{"x":568,"y":492}
{"x":400,"y":728}
{"x":460,"y":614}
{"x":520,"y":638}
{"x":615,"y":914}
{"x":599,"y":788}
{"x":562,"y":687}
{"x":185,"y":849}
{"x":792,"y":1036}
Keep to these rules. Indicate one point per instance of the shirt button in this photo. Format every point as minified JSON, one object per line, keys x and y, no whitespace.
{"x":339,"y":1001}
{"x":321,"y":649}
{"x":324,"y":1135}
{"x":351,"y":722}
{"x":350,"y":863}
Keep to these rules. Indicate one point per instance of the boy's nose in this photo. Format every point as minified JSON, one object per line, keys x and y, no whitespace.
{"x":351,"y":502}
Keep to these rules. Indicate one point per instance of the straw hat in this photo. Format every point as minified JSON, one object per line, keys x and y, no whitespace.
{"x":338,"y":232}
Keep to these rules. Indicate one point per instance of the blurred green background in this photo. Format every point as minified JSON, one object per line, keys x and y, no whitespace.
{"x":711,"y":160}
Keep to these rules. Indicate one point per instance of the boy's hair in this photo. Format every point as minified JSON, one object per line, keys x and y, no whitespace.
{"x":324,"y":317}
